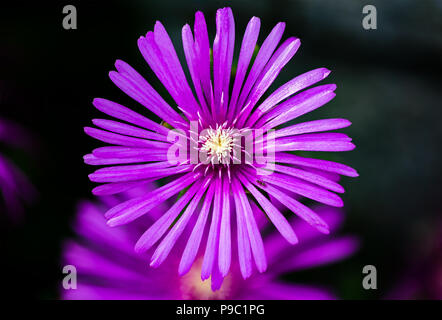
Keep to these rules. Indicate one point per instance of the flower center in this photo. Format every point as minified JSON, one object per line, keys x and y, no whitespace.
{"x":218,"y":144}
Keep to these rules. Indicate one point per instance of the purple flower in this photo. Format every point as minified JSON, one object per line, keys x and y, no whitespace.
{"x":108,"y":268}
{"x":14,"y":185}
{"x":212,"y":130}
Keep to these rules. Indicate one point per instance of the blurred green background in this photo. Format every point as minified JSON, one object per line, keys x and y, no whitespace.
{"x":389,"y":86}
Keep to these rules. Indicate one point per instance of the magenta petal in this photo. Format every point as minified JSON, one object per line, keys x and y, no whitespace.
{"x":265,"y":52}
{"x":192,"y":63}
{"x":315,"y":142}
{"x":247,"y":48}
{"x":156,"y":231}
{"x":297,"y":84}
{"x":140,"y":90}
{"x":162,"y":39}
{"x":117,"y":139}
{"x":316,"y":163}
{"x":312,"y":126}
{"x":128,"y":130}
{"x":298,"y":105}
{"x":121,"y":112}
{"x":217,"y":278}
{"x":150,"y":175}
{"x":223,"y":46}
{"x":154,"y":101}
{"x":134,"y":208}
{"x":94,"y":160}
{"x":137,"y":172}
{"x":113,"y":188}
{"x":169,"y":241}
{"x":212,"y":241}
{"x":310,"y":177}
{"x":299,"y":209}
{"x":191,"y":249}
{"x":274,"y":215}
{"x":126,"y":152}
{"x":281,"y":57}
{"x":302,"y":188}
{"x":256,"y":243}
{"x":244,"y":254}
{"x":202,"y":52}
{"x":224,"y":251}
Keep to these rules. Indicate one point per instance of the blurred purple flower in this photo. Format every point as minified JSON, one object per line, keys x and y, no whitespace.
{"x":224,"y":116}
{"x":15,"y":187}
{"x":108,"y":268}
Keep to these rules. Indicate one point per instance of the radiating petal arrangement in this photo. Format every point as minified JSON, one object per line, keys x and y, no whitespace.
{"x":222,"y":145}
{"x":109,"y":269}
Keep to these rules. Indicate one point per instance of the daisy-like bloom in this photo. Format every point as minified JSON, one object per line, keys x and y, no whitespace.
{"x":14,"y":185}
{"x":221,"y":139}
{"x":108,"y":268}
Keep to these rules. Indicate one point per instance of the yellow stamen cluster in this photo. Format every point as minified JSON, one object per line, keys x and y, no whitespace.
{"x":218,"y":144}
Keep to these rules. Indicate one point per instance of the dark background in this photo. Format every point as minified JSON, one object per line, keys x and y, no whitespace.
{"x":389,"y":86}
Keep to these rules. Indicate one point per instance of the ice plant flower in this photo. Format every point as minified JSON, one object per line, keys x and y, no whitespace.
{"x":108,"y":268}
{"x":15,"y":187}
{"x":220,"y":140}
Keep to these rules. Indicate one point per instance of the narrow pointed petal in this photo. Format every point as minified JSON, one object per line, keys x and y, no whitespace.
{"x":193,"y":244}
{"x":121,"y":112}
{"x":256,"y":243}
{"x":126,"y":152}
{"x":193,"y":64}
{"x":137,"y":172}
{"x":216,"y":278}
{"x":128,"y":130}
{"x":244,"y":254}
{"x":118,"y":139}
{"x":299,"y":209}
{"x":132,"y":209}
{"x":212,"y":241}
{"x":169,"y":241}
{"x":202,"y":52}
{"x":164,"y":43}
{"x":302,"y":188}
{"x":265,"y":52}
{"x":315,"y":142}
{"x":156,"y":231}
{"x":247,"y":48}
{"x":310,"y":177}
{"x":281,"y":57}
{"x":223,"y":46}
{"x":293,"y":86}
{"x":94,"y":160}
{"x":312,"y":126}
{"x":225,"y":255}
{"x":272,"y":212}
{"x":325,"y":165}
{"x":297,"y":106}
{"x":135,"y":86}
{"x":113,"y":188}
